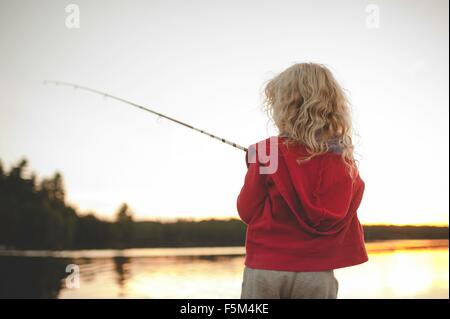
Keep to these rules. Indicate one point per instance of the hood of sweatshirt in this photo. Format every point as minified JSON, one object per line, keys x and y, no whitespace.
{"x":319,"y":192}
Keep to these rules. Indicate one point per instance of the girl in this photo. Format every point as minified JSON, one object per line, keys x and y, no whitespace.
{"x":301,"y":214}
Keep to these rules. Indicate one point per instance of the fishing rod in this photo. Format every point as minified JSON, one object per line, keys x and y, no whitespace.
{"x":76,"y":86}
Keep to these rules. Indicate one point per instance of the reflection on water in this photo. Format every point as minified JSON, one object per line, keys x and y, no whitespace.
{"x":421,"y":273}
{"x":23,"y":277}
{"x":397,"y":269}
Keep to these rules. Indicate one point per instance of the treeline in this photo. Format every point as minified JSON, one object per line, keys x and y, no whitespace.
{"x":34,"y":214}
{"x":383,"y":232}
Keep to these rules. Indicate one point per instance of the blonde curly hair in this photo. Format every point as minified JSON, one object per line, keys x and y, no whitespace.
{"x":306,"y":104}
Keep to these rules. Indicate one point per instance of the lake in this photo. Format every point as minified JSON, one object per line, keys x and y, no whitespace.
{"x":396,"y":269}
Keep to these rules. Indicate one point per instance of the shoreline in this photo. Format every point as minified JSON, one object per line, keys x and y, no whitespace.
{"x":372,"y":247}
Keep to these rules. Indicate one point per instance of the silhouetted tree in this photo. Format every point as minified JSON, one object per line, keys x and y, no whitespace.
{"x":124,"y":221}
{"x":124,"y":214}
{"x":54,"y":188}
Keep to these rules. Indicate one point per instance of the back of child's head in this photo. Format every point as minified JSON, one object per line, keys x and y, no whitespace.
{"x":307,"y":105}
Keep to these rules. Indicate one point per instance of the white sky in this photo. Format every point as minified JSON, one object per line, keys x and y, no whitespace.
{"x":205,"y":62}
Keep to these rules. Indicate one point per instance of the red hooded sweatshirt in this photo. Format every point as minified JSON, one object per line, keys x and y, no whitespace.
{"x":302,"y":217}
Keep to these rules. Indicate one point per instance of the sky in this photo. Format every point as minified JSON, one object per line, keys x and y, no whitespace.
{"x":206,"y":63}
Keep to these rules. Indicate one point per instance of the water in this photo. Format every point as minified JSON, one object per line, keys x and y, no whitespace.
{"x":397,"y":269}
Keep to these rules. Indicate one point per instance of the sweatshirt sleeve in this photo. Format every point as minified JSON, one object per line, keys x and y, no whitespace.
{"x":250,"y":201}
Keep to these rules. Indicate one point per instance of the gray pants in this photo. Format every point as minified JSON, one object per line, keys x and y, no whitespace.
{"x":274,"y":284}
